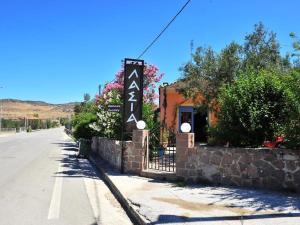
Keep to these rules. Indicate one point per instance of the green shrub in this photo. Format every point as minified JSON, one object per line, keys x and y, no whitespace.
{"x":81,"y":123}
{"x":292,"y":131}
{"x":255,"y":108}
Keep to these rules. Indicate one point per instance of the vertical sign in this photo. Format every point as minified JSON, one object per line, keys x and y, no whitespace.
{"x":133,"y":93}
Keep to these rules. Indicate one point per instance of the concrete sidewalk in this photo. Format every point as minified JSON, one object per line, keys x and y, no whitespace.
{"x":158,"y":202}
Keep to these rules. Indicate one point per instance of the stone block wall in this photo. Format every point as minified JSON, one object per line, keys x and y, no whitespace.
{"x":109,"y":150}
{"x":184,"y":149}
{"x":134,"y":151}
{"x":263,"y":168}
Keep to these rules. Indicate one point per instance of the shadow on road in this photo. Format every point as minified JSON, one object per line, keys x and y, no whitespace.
{"x":259,"y":198}
{"x":165,"y":219}
{"x":70,"y":165}
{"x":67,"y":146}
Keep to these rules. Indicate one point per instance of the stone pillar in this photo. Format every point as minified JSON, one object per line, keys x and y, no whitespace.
{"x":184,"y":143}
{"x":135,"y":154}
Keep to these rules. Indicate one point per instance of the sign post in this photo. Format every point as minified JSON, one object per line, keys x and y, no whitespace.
{"x":132,"y":97}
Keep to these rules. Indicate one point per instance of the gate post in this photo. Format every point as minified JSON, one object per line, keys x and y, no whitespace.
{"x":135,"y":156}
{"x":184,"y":143}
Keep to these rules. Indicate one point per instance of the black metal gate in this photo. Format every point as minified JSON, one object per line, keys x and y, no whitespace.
{"x":162,"y":150}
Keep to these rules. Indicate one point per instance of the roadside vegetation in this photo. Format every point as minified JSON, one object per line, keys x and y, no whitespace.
{"x":108,"y":124}
{"x":34,"y":124}
{"x":84,"y":115}
{"x":93,"y":118}
{"x":253,"y":88}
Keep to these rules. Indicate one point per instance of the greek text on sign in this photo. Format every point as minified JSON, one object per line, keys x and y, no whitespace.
{"x":132,"y":97}
{"x":133,"y":93}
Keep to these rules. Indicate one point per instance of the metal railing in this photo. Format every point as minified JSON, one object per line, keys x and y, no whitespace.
{"x":162,"y":155}
{"x":163,"y":158}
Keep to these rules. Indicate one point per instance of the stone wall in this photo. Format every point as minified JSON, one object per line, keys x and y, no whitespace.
{"x":134,"y":151}
{"x":109,"y":150}
{"x":263,"y":168}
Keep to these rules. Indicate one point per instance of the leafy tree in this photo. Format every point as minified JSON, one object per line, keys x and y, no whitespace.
{"x":108,"y":124}
{"x":66,"y":122}
{"x":77,"y":108}
{"x":55,"y":123}
{"x":257,"y":107}
{"x":89,"y":106}
{"x":150,"y":115}
{"x":255,"y":88}
{"x":85,"y":114}
{"x":81,"y":123}
{"x":200,"y":75}
{"x":9,"y":123}
{"x":262,"y":50}
{"x":230,"y":62}
{"x":209,"y":71}
{"x":292,"y":131}
{"x":296,"y":47}
{"x":35,"y":124}
{"x":48,"y":124}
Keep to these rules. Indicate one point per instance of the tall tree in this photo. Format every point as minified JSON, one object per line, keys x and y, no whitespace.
{"x":200,"y":74}
{"x":262,"y":50}
{"x":230,"y":62}
{"x":296,"y":52}
{"x":208,"y":71}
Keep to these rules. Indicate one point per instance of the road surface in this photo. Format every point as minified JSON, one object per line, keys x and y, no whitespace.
{"x":42,"y":182}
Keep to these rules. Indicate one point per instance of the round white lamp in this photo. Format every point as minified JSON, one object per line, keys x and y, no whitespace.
{"x":141,"y":125}
{"x":185,"y":127}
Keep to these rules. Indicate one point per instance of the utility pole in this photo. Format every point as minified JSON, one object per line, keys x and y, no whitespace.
{"x":99,"y":89}
{"x":26,"y":122}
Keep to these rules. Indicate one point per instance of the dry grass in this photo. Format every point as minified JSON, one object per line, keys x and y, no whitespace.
{"x":15,"y":109}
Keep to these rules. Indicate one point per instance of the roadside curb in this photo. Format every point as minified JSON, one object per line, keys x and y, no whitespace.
{"x":134,"y":216}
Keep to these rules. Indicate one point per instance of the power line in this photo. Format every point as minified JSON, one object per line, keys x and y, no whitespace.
{"x":165,"y":28}
{"x":158,"y":36}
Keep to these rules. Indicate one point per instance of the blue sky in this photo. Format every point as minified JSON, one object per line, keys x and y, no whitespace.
{"x":57,"y":50}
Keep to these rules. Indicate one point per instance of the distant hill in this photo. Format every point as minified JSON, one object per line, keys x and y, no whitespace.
{"x":18,"y":109}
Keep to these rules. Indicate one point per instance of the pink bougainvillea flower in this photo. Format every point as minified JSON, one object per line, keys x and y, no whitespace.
{"x":151,"y":76}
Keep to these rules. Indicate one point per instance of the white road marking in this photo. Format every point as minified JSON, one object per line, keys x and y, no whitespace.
{"x":54,"y":209}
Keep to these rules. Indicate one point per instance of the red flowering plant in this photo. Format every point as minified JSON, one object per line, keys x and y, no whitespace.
{"x":108,"y":123}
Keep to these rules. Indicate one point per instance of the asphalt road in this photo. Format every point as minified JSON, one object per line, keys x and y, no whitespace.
{"x":42,"y":182}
